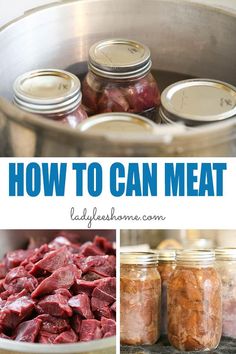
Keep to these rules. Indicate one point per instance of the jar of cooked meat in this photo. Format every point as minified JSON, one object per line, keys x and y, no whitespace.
{"x":140,"y":294}
{"x":194,"y":302}
{"x":119,"y":79}
{"x":226,"y":266}
{"x":166,"y":266}
{"x":53,"y":94}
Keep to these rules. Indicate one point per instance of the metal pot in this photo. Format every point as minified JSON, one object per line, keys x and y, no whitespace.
{"x":13,"y":239}
{"x":184,"y":37}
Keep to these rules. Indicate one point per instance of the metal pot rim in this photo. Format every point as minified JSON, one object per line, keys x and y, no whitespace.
{"x":225,"y":11}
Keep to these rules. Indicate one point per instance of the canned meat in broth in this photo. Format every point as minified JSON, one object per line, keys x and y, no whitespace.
{"x":119,"y":79}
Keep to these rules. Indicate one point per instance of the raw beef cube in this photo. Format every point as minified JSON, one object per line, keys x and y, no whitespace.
{"x":19,"y":279}
{"x":14,"y":258}
{"x":18,"y":272}
{"x":66,"y":337}
{"x":106,"y":291}
{"x":55,"y":305}
{"x":102,"y":265}
{"x":15,"y":311}
{"x":90,"y":329}
{"x":98,"y":304}
{"x":28,"y":331}
{"x":108,"y":327}
{"x":104,"y":312}
{"x":84,"y":286}
{"x":62,"y":278}
{"x":81,"y":305}
{"x":89,"y":249}
{"x":39,"y":253}
{"x":52,"y":261}
{"x":45,"y":337}
{"x":53,"y":324}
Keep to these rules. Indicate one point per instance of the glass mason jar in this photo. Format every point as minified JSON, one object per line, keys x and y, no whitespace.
{"x":194,"y":302}
{"x":119,"y":79}
{"x":140,"y":295}
{"x":195,"y":102}
{"x":226,"y":266}
{"x":53,"y":94}
{"x":166,"y":266}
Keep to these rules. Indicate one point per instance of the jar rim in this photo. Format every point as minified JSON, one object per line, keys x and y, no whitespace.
{"x":119,"y":58}
{"x":195,"y":255}
{"x":139,"y":258}
{"x":178,"y":101}
{"x":225,"y":253}
{"x":166,"y":255}
{"x":47,"y":91}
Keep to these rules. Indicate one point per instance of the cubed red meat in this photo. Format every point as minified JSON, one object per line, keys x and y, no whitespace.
{"x":55,"y":325}
{"x":15,"y":311}
{"x":54,"y":305}
{"x":62,"y":278}
{"x":68,"y":336}
{"x":59,"y":292}
{"x":102,"y":265}
{"x":89,"y":249}
{"x":81,"y":305}
{"x":27,"y":331}
{"x":90,"y":329}
{"x":108,"y":327}
{"x":45,"y":337}
{"x":53,"y":260}
{"x":14,"y":258}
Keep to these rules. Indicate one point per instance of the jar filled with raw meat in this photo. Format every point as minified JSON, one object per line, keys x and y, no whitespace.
{"x":140,"y":295}
{"x":166,"y":266}
{"x":194,"y":302}
{"x":226,"y":266}
{"x":53,"y":94}
{"x":119,"y":79}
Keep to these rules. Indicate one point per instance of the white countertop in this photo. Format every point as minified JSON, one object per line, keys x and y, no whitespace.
{"x":9,"y":9}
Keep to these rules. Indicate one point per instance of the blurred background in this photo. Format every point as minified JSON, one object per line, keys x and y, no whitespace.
{"x":9,"y":9}
{"x":176,"y":239}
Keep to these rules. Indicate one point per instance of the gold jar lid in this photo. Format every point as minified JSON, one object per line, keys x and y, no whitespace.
{"x":47,"y":91}
{"x":120,"y":123}
{"x":225,"y":254}
{"x":119,"y":59}
{"x":198,"y":101}
{"x":139,"y":258}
